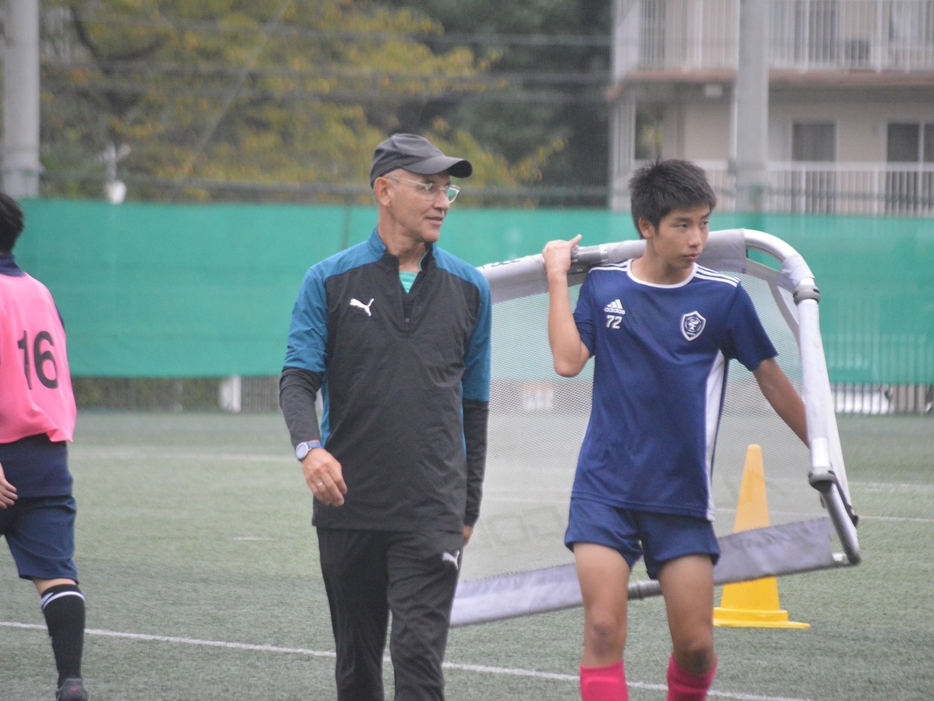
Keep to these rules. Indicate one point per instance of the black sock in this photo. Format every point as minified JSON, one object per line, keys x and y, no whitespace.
{"x":63,"y":606}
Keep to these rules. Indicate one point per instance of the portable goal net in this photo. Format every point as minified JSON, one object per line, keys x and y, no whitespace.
{"x":517,"y":564}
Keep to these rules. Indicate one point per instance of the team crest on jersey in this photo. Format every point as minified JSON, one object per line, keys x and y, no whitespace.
{"x":692,"y":325}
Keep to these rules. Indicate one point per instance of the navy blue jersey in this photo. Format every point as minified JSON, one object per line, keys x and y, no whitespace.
{"x":661,"y":354}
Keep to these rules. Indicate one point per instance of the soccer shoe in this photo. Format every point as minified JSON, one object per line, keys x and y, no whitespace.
{"x":72,"y":689}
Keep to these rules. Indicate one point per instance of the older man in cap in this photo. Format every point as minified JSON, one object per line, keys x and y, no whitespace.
{"x":395,"y":332}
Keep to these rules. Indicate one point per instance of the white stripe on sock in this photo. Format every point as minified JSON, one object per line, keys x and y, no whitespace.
{"x":49,"y":598}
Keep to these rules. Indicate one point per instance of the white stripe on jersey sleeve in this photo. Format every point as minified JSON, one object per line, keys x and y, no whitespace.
{"x":617,"y":267}
{"x":708,"y":274}
{"x":716,"y":380}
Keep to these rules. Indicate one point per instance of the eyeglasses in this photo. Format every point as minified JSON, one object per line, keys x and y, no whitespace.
{"x":429,"y":190}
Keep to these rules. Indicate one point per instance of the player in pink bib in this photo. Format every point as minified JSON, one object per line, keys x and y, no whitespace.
{"x":37,"y":395}
{"x":37,"y":418}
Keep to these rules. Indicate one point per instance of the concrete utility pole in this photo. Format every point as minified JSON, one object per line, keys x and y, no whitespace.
{"x":751,"y":106}
{"x":21,"y":165}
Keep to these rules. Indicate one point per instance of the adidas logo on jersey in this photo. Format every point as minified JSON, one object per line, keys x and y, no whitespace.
{"x":615,"y":307}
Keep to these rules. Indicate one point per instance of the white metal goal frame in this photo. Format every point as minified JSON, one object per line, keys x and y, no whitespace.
{"x":771,"y":551}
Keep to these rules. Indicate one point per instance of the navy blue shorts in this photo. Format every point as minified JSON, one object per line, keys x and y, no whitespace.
{"x":41,"y":534}
{"x":659,"y":538}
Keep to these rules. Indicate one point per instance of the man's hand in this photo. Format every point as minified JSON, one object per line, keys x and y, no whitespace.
{"x":324,"y":477}
{"x":7,"y":491}
{"x":557,"y":255}
{"x":468,"y":531}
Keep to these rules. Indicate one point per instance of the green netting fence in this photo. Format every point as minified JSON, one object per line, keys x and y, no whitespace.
{"x":181,"y":291}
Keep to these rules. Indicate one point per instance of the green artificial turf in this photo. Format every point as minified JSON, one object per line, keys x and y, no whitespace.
{"x":193,"y":535}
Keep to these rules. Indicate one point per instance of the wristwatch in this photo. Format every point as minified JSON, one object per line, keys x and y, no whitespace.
{"x":302,"y":449}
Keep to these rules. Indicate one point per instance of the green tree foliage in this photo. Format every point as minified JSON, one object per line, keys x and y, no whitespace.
{"x":275,"y":98}
{"x":557,"y":98}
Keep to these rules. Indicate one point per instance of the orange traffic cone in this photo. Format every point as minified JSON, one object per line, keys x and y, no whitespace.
{"x":752,"y":604}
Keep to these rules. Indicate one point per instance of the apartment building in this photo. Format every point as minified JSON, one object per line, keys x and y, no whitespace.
{"x":851,"y":100}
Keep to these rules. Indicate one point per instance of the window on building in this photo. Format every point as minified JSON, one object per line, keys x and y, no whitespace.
{"x":903,"y":143}
{"x":649,"y":134}
{"x":816,"y":31}
{"x":909,"y":178}
{"x":814,"y":186}
{"x":814,"y":141}
{"x":652,"y":44}
{"x":911,"y":23}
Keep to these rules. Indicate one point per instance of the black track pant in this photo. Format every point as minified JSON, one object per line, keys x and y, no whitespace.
{"x":369,"y":574}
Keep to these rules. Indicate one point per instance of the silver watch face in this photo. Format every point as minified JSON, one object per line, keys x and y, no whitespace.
{"x":301,"y":451}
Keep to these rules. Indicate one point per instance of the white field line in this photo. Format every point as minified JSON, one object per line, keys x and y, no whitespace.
{"x":539,"y":496}
{"x":156,"y":453}
{"x":506,"y":496}
{"x":163,"y":453}
{"x":895,"y":519}
{"x":152,"y":452}
{"x":635,"y":685}
{"x":482,"y":669}
{"x":893,"y":487}
{"x":183,"y":641}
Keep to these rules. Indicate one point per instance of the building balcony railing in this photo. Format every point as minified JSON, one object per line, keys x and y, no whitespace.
{"x":805,"y":35}
{"x":869,"y":189}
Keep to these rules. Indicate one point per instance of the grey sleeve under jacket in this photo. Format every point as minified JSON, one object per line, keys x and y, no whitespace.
{"x":298,"y":389}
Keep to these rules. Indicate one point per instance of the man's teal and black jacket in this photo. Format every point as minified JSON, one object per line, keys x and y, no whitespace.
{"x":405,"y":383}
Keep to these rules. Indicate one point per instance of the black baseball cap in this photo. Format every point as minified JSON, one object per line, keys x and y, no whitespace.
{"x":416,"y":155}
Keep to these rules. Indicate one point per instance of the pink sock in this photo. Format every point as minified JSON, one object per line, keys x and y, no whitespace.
{"x":684,"y":686}
{"x":604,"y":683}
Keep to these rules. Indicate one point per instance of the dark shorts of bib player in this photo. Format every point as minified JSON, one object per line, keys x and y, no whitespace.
{"x":370,"y":574}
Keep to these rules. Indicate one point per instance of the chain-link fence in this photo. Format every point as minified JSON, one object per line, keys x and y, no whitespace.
{"x":236,"y":394}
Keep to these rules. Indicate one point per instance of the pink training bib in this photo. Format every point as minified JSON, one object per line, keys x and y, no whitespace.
{"x":35,"y":384}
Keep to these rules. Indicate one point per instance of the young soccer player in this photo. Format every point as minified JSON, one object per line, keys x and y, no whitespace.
{"x":662,"y":330}
{"x":37,"y":419}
